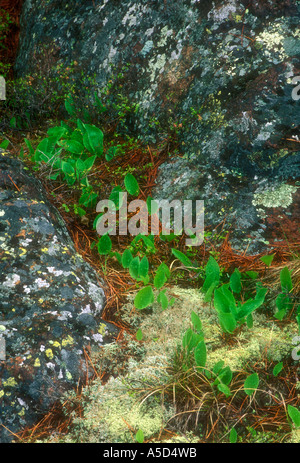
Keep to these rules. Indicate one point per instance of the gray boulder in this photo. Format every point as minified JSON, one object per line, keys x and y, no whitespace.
{"x":214,"y":77}
{"x":50,"y":303}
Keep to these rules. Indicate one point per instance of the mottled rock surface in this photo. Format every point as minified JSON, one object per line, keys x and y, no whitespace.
{"x":215,"y":76}
{"x":50,"y":302}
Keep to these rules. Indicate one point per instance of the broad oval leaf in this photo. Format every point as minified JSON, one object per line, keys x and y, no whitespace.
{"x":144,"y":298}
{"x":235,"y":281}
{"x":131,"y":185}
{"x":160,"y":278}
{"x":126,"y":258}
{"x":233,"y":436}
{"x":212,"y":274}
{"x":93,"y":139}
{"x":104,"y":245}
{"x":139,"y":436}
{"x":144,"y":267}
{"x":134,"y":268}
{"x":294,"y":414}
{"x":251,"y":384}
{"x":267,"y":259}
{"x":277,"y":369}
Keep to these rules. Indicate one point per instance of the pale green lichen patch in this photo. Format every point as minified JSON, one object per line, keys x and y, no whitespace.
{"x":277,"y":196}
{"x":116,"y":410}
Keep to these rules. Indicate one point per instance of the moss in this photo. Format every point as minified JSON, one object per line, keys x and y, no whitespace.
{"x":115,"y":411}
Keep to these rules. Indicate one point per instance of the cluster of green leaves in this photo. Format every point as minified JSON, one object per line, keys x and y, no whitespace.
{"x":284,"y":300}
{"x":232,"y":312}
{"x":70,"y":150}
{"x":195,"y":355}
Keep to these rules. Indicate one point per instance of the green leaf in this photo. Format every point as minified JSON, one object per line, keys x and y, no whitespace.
{"x":227,"y":322}
{"x":5,"y":144}
{"x":277,"y":369}
{"x":251,"y":274}
{"x":212,"y":274}
{"x":294,"y":414}
{"x":134,"y":268}
{"x":139,"y":335}
{"x":29,"y":146}
{"x":72,"y":146}
{"x":131,"y":185}
{"x":196,"y":321}
{"x":224,"y":301}
{"x":44,"y":151}
{"x":200,"y":354}
{"x":235,"y":281}
{"x":191,"y":339}
{"x":89,"y":162}
{"x":139,"y":436}
{"x":104,"y":244}
{"x":209,"y":292}
{"x":80,"y":167}
{"x":57,"y":132}
{"x":118,"y":256}
{"x":160,"y":278}
{"x":70,"y":107}
{"x":225,"y":376}
{"x":81,"y":126}
{"x":144,"y":298}
{"x":144,"y":267}
{"x":218,"y":367}
{"x":224,"y":389}
{"x":249,"y":321}
{"x":252,"y":304}
{"x":126,"y":258}
{"x":93,"y":139}
{"x":88,"y":199}
{"x":163,"y":300}
{"x":267,"y":259}
{"x":285,"y":279}
{"x":251,"y":384}
{"x":182,"y":257}
{"x":111,"y":153}
{"x":233,"y":436}
{"x":13,"y":122}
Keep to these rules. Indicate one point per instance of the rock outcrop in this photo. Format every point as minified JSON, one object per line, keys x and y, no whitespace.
{"x":216,"y":77}
{"x":50,"y":303}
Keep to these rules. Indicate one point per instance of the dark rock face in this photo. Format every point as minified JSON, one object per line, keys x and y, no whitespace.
{"x":50,"y":302}
{"x":215,"y":75}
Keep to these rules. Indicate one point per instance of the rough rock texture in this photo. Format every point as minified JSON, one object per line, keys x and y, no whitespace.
{"x":50,"y":302}
{"x":215,"y":75}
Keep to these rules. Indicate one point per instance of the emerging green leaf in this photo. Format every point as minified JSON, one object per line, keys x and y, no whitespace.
{"x":251,"y":384}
